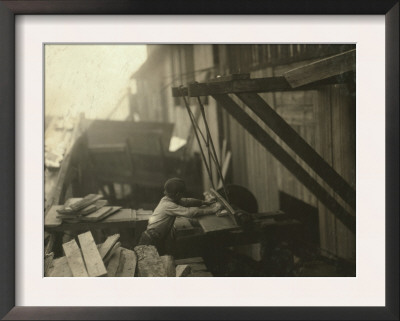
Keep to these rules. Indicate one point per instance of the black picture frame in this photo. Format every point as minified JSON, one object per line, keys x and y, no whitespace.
{"x":8,"y":10}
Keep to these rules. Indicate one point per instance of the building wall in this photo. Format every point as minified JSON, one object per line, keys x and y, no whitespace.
{"x":324,"y":118}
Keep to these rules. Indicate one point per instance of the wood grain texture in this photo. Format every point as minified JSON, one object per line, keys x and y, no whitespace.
{"x":127,"y":265}
{"x":74,"y":258}
{"x":94,"y":263}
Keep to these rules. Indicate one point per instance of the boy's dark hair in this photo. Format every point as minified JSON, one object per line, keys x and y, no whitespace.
{"x":174,"y":186}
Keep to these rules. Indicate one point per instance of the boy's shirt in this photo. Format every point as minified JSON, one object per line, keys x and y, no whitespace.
{"x":163,"y":218}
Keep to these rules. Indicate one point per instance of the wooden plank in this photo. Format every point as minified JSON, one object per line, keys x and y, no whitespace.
{"x":114,"y":262}
{"x":190,"y":260}
{"x":213,"y":223}
{"x":94,"y":263}
{"x":108,"y":245}
{"x":74,"y":258}
{"x":149,"y":262}
{"x":286,"y":160}
{"x":258,"y":85}
{"x":127,"y":264}
{"x":112,"y":251}
{"x":285,"y":132}
{"x":169,"y":265}
{"x":322,"y":69}
{"x":182,"y":270}
{"x":60,"y":268}
{"x":101,"y":214}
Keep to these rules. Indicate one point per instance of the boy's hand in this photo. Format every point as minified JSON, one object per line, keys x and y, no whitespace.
{"x":216,"y":206}
{"x":208,"y":203}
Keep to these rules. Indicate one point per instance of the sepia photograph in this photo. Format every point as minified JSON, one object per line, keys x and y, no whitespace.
{"x":199,"y":160}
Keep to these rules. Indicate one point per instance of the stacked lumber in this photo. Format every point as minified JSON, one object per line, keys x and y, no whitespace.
{"x":90,"y":260}
{"x":91,"y":208}
{"x":192,"y":267}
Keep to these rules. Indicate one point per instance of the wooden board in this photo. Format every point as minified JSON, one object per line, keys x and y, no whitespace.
{"x":94,"y":263}
{"x":149,"y":262}
{"x":74,"y":258}
{"x":101,"y":214}
{"x":112,"y":251}
{"x":190,"y":260}
{"x":108,"y":245}
{"x":169,"y":265}
{"x":127,"y":264}
{"x":213,"y":223}
{"x":113,"y":264}
{"x":182,"y":270}
{"x":60,"y":268}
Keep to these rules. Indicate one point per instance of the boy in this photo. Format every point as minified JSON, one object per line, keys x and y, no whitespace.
{"x":160,"y":229}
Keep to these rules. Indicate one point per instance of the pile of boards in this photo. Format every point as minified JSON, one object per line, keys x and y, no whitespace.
{"x":91,"y":208}
{"x":109,"y":259}
{"x":91,"y":260}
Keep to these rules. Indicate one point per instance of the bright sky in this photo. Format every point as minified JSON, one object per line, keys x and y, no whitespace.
{"x":93,"y":79}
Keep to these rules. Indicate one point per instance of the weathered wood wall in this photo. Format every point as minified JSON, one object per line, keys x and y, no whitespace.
{"x":325,"y":118}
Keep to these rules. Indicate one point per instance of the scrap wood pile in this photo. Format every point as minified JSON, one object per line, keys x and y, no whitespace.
{"x":90,"y":260}
{"x":91,"y":208}
{"x":109,"y":259}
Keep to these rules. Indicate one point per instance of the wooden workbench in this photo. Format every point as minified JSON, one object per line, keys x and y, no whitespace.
{"x":124,"y":218}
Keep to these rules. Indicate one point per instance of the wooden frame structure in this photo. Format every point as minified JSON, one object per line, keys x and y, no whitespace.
{"x":332,"y":70}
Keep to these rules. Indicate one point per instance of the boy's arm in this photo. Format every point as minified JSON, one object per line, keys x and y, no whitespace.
{"x":193,"y":202}
{"x":192,"y":212}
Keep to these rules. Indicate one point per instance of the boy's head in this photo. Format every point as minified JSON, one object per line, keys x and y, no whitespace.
{"x":174,"y":188}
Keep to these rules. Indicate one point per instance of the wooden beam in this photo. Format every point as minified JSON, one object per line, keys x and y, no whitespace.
{"x":285,"y":132}
{"x":322,"y":69}
{"x":257,"y":85}
{"x":286,"y":160}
